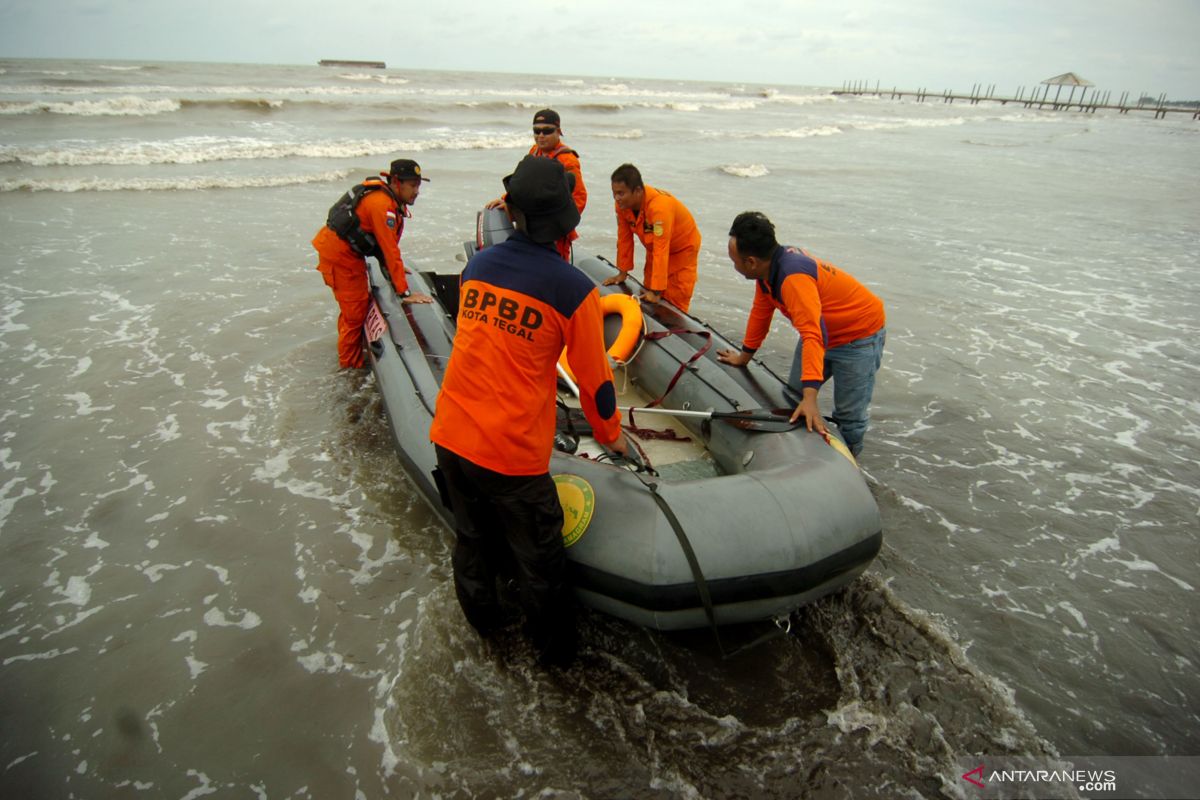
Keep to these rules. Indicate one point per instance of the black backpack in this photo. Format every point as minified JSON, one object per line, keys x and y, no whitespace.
{"x":343,"y":218}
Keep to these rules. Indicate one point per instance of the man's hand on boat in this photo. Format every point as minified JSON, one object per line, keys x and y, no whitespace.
{"x":809,"y":411}
{"x":417,"y":297}
{"x":734,"y":358}
{"x":620,"y":446}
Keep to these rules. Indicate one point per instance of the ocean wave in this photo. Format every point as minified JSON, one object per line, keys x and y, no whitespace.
{"x":775,"y":133}
{"x":630,"y":134}
{"x":124,"y":106}
{"x":606,"y":108}
{"x":167,"y":184}
{"x":253,"y":104}
{"x":497,"y":105}
{"x":131,"y":106}
{"x":801,"y":99}
{"x":388,"y":80}
{"x":203,"y":149}
{"x":746,"y":170}
{"x":912,"y":122}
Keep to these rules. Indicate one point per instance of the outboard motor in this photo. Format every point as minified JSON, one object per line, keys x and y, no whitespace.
{"x":492,"y":226}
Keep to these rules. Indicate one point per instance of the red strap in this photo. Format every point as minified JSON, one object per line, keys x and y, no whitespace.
{"x":679,"y":372}
{"x":668,"y":435}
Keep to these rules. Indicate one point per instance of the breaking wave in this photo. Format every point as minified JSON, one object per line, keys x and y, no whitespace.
{"x":204,"y":149}
{"x":746,"y":170}
{"x":69,"y":185}
{"x":124,"y":106}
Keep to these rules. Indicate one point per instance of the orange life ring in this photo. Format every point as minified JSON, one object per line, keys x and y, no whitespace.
{"x":633,"y":326}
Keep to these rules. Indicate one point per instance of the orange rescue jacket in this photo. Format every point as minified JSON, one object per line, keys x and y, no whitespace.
{"x":382,"y":217}
{"x":570,"y":161}
{"x":665,"y":226}
{"x":519,"y":304}
{"x":827,"y":307}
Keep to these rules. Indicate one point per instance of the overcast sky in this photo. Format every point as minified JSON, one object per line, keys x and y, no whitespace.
{"x":1135,"y":45}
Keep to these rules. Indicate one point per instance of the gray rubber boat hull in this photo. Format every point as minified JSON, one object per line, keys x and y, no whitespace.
{"x":791,"y":519}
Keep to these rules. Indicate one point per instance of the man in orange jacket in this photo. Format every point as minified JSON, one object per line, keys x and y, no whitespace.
{"x":548,"y":143}
{"x":840,"y":322}
{"x":493,"y":430}
{"x":367,"y":221}
{"x":668,"y":233}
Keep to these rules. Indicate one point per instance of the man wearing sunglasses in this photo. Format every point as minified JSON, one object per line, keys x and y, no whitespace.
{"x":548,"y":143}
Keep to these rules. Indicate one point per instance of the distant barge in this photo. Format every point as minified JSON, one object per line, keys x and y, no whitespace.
{"x":333,"y":62}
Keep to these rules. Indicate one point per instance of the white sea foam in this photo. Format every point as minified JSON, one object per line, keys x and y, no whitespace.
{"x":900,"y":124}
{"x":83,"y":404}
{"x":206,"y":149}
{"x":29,"y":755}
{"x":8,"y":500}
{"x":76,"y":591}
{"x":155,"y":572}
{"x":384,"y":78}
{"x":9,"y":311}
{"x":322,"y":662}
{"x":168,"y":429}
{"x":216,"y":618}
{"x":195,"y":666}
{"x":746,"y":170}
{"x":1141,"y":565}
{"x":81,"y":366}
{"x":123,"y":106}
{"x":43,"y":656}
{"x":167,"y":184}
{"x":94,"y":541}
{"x":274,"y":467}
{"x":630,"y":134}
{"x":778,"y":133}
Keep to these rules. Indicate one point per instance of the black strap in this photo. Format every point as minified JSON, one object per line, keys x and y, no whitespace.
{"x":693,"y":562}
{"x":702,"y":585}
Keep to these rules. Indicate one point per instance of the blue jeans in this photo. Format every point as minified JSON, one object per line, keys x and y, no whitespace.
{"x":852,"y":366}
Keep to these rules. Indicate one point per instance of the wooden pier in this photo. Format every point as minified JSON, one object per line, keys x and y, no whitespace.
{"x":979,"y":94}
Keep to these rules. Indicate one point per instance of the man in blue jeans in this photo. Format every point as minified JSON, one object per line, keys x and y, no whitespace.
{"x":840,"y":322}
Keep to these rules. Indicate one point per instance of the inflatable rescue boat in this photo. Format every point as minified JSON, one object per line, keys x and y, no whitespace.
{"x":727,"y":513}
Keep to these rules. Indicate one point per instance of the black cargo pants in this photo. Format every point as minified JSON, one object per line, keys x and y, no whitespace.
{"x":510,"y":520}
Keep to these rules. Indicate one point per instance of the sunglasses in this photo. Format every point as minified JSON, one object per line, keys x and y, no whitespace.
{"x":544,"y":131}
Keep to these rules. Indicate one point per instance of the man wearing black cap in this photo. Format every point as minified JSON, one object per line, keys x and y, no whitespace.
{"x":548,"y":143}
{"x":367,"y":221}
{"x":519,"y":305}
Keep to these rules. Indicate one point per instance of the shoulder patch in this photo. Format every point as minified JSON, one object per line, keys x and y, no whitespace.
{"x":658,"y":228}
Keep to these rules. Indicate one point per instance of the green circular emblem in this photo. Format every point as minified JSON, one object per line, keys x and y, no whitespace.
{"x":578,"y":502}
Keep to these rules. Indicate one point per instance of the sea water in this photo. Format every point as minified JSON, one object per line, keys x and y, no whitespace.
{"x":216,"y":579}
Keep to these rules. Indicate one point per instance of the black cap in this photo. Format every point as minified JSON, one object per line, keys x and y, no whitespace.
{"x":547,"y":116}
{"x":406,"y":169}
{"x":539,"y":189}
